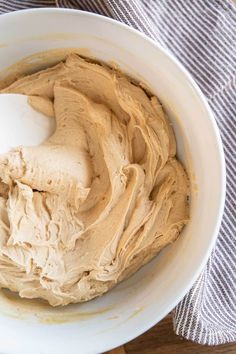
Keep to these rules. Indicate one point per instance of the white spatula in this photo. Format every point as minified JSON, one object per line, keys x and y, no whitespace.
{"x":20,"y":124}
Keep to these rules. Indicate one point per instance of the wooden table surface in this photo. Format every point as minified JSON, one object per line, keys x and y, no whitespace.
{"x":161,"y":340}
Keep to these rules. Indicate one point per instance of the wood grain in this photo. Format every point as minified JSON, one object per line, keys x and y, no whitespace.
{"x":161,"y":340}
{"x":120,"y":350}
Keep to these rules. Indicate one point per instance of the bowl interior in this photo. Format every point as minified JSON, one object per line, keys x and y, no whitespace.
{"x":145,"y":298}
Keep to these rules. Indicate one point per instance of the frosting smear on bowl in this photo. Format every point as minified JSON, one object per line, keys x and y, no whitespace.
{"x":97,"y":200}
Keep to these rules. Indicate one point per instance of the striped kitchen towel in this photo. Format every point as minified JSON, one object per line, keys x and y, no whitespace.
{"x":202,"y":35}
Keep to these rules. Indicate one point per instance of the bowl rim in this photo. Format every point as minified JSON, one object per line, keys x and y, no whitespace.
{"x":150,"y":322}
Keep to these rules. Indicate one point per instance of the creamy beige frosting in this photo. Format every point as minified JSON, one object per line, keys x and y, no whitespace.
{"x":97,"y":200}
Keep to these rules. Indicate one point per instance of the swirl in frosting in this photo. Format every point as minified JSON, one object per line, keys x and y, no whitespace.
{"x":97,"y":200}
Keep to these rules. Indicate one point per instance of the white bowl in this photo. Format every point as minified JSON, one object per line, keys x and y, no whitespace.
{"x":144,"y":299}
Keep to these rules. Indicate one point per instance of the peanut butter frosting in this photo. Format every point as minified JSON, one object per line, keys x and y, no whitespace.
{"x":97,"y":200}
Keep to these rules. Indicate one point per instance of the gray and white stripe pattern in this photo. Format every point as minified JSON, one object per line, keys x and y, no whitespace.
{"x":202,"y":35}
